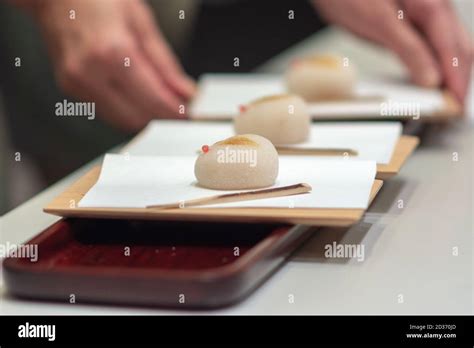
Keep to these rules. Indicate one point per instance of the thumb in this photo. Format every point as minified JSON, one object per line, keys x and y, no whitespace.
{"x":414,"y":52}
{"x":160,"y":54}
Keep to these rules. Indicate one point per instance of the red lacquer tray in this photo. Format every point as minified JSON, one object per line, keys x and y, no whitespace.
{"x":151,"y":263}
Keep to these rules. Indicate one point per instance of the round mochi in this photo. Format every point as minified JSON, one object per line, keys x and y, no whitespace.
{"x":321,"y":78}
{"x":282,"y":119}
{"x":241,"y":162}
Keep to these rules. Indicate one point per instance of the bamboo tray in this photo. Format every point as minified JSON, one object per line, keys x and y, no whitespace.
{"x":66,"y":205}
{"x":451,"y":111}
{"x":403,"y":149}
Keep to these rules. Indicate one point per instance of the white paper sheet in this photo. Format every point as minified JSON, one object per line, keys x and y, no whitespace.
{"x":221,"y":94}
{"x":372,"y":141}
{"x":135,"y":182}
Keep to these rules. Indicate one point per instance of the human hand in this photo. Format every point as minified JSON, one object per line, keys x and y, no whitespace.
{"x":428,"y":38}
{"x":112,"y":53}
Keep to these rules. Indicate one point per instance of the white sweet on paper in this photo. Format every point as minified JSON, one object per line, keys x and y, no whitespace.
{"x":282,"y":119}
{"x":325,"y":77}
{"x":240,"y":162}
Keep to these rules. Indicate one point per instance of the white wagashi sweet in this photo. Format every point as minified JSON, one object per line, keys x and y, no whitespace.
{"x":282,"y":119}
{"x":321,"y":78}
{"x":241,"y":162}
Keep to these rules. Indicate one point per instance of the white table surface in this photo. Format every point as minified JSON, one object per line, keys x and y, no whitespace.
{"x":409,"y":251}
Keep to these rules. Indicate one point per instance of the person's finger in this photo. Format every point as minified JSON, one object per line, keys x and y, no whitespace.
{"x":467,"y":48}
{"x":379,"y":21}
{"x":161,"y":55}
{"x":118,"y":110}
{"x":461,"y":63}
{"x":96,"y":87}
{"x":402,"y":38}
{"x":138,"y":80}
{"x":438,"y":22}
{"x":165,"y":63}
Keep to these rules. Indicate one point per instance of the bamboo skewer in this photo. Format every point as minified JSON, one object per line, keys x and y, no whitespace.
{"x":286,"y":150}
{"x":239,"y":196}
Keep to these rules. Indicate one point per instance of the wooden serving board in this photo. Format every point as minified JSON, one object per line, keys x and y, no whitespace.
{"x":404,"y":148}
{"x":452,"y":110}
{"x":66,"y":205}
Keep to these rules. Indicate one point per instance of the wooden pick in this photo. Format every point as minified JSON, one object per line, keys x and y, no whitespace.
{"x":286,"y":150}
{"x":239,"y":196}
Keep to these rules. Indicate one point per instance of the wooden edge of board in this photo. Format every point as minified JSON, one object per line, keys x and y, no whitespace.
{"x":404,"y":148}
{"x":65,"y":205}
{"x":452,"y":110}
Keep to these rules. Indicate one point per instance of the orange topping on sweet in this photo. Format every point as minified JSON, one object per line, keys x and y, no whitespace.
{"x":270,"y":98}
{"x":237,"y":140}
{"x":324,"y":61}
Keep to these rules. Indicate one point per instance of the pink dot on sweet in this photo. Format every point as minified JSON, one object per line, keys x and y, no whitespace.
{"x":242,"y":108}
{"x":205,"y":148}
